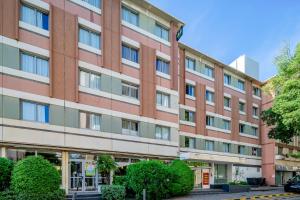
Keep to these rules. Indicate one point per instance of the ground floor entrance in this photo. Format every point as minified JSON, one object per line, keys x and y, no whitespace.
{"x":202,"y":177}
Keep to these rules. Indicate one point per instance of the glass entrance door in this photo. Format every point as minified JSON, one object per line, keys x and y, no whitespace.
{"x":76,"y":175}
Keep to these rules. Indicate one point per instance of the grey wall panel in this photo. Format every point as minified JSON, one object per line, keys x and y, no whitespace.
{"x":11,"y":107}
{"x":11,"y":56}
{"x":72,"y":117}
{"x":57,"y":115}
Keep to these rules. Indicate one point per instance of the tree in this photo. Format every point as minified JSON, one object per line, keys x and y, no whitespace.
{"x":284,"y":116}
{"x":105,"y":165}
{"x":6,"y":167}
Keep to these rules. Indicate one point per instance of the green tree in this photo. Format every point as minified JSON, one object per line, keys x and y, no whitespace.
{"x":105,"y":165}
{"x":284,"y":116}
{"x":6,"y":167}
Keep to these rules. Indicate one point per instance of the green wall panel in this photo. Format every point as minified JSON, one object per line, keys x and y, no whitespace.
{"x":11,"y":107}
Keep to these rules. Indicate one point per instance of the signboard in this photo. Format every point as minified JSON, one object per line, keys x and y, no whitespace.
{"x":179,"y":33}
{"x":205,"y":180}
{"x":90,"y":168}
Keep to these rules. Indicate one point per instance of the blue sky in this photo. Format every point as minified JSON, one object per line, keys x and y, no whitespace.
{"x":225,"y":29}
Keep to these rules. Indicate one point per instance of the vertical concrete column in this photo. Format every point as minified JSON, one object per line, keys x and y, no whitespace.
{"x":65,"y":171}
{"x":3,"y":152}
{"x":229,"y":172}
{"x":111,"y":173}
{"x":212,"y":174}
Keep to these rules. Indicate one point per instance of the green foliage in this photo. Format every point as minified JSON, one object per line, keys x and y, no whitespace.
{"x":154,"y":176}
{"x":106,"y":163}
{"x":183,"y":178}
{"x":6,"y":167}
{"x":238,"y":183}
{"x":7,"y":195}
{"x":35,"y":178}
{"x":284,"y":116}
{"x":295,"y":155}
{"x":120,"y":180}
{"x":113,"y":192}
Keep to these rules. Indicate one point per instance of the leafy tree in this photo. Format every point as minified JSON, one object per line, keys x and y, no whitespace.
{"x":284,"y":116}
{"x":6,"y":167}
{"x":105,"y":165}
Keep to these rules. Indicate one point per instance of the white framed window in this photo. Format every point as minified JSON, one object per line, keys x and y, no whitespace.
{"x":242,"y":106}
{"x":130,"y":127}
{"x":242,"y":128}
{"x":34,"y":17}
{"x":130,"y":53}
{"x":190,"y":63}
{"x":256,"y":91}
{"x":241,"y":150}
{"x":241,"y":85}
{"x":255,"y":111}
{"x":209,"y":71}
{"x":90,"y":80}
{"x":34,"y":64}
{"x":227,"y":102}
{"x":226,"y":147}
{"x":162,"y":66}
{"x":190,"y":90}
{"x":254,"y":131}
{"x":90,"y":120}
{"x":162,"y":99}
{"x":209,"y":96}
{"x":130,"y":90}
{"x":95,"y":3}
{"x":32,"y":111}
{"x":89,"y":37}
{"x":210,"y":121}
{"x":209,"y":145}
{"x":130,"y":16}
{"x":189,"y":116}
{"x":190,"y":142}
{"x":161,"y":31}
{"x":226,"y":124}
{"x":162,"y":132}
{"x":227,"y":79}
{"x":254,"y":151}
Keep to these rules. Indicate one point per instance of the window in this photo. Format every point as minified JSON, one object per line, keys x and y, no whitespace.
{"x":189,"y":116}
{"x":34,"y":64}
{"x":161,"y":32}
{"x":89,"y":38}
{"x":209,"y":145}
{"x":190,"y":63}
{"x":162,"y":66}
{"x":162,"y":132}
{"x":209,"y":96}
{"x":190,"y":90}
{"x":162,"y":99}
{"x":226,"y":147}
{"x":226,"y":125}
{"x":90,"y":80}
{"x":90,"y":121}
{"x":254,"y":151}
{"x":130,"y":16}
{"x":210,"y":121}
{"x":130,"y":90}
{"x":37,"y":112}
{"x":254,"y":111}
{"x":241,"y":85}
{"x":256,"y":91}
{"x":130,"y":53}
{"x":241,"y":150}
{"x":190,"y":142}
{"x":242,"y":128}
{"x":209,"y":71}
{"x":227,"y":102}
{"x":95,"y":3}
{"x":254,"y":131}
{"x":242,"y":106}
{"x":280,"y":151}
{"x":227,"y":79}
{"x":130,"y":127}
{"x":34,"y":17}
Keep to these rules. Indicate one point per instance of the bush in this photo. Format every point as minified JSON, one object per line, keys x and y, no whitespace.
{"x":113,"y":192}
{"x":120,"y":180}
{"x":154,"y":176}
{"x":7,"y":195}
{"x":35,"y":178}
{"x":6,"y":167}
{"x":238,"y":183}
{"x":183,"y":178}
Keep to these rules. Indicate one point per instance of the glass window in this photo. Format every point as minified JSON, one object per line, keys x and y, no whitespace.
{"x":242,"y":106}
{"x":161,"y":32}
{"x":89,"y":38}
{"x":226,"y":124}
{"x":220,"y":174}
{"x":162,"y":66}
{"x":209,"y":71}
{"x":90,"y":121}
{"x":130,"y":16}
{"x":32,"y":111}
{"x":241,"y":85}
{"x":256,"y":91}
{"x":190,"y":90}
{"x":241,"y":150}
{"x":280,"y":151}
{"x":190,"y":63}
{"x":95,"y":3}
{"x":34,"y":17}
{"x":190,"y":142}
{"x":227,"y":79}
{"x":130,"y":53}
{"x":162,"y":132}
{"x":226,"y":147}
{"x":210,"y":121}
{"x":90,"y":80}
{"x":254,"y":131}
{"x":189,"y":116}
{"x":162,"y":99}
{"x":227,"y":102}
{"x":254,"y":151}
{"x":242,"y":128}
{"x":34,"y":64}
{"x":130,"y":90}
{"x":254,"y":111}
{"x":209,"y":145}
{"x":130,"y":127}
{"x":209,"y":96}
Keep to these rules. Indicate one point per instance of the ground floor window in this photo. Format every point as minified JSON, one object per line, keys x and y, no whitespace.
{"x":220,"y":175}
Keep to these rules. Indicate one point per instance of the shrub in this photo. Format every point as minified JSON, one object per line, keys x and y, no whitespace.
{"x":113,"y":192}
{"x":183,"y":178}
{"x":7,"y":195}
{"x":35,"y":178}
{"x":6,"y":167}
{"x":120,"y":180}
{"x":238,"y":183}
{"x":150,"y":175}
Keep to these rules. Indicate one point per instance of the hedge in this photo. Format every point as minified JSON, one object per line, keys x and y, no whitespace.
{"x":113,"y":192}
{"x":6,"y":167}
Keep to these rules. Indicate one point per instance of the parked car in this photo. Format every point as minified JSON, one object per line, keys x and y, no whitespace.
{"x":293,"y":184}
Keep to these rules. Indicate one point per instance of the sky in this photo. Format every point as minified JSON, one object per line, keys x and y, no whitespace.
{"x":226,"y":29}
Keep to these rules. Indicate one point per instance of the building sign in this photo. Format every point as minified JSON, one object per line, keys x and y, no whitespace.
{"x":205,"y":178}
{"x":179,"y":33}
{"x":90,"y":168}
